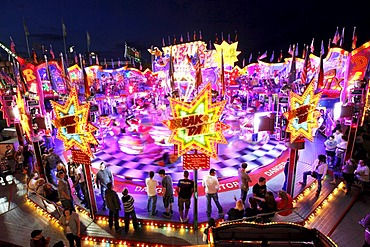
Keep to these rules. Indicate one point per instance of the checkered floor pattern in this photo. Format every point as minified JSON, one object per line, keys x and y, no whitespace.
{"x":137,"y":167}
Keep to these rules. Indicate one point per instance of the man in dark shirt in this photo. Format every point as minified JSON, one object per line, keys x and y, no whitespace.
{"x":259,"y":192}
{"x":103,"y":177}
{"x":184,"y":189}
{"x":167,"y":189}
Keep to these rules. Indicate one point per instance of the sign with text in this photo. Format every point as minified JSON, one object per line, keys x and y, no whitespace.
{"x":196,"y":161}
{"x":80,"y":157}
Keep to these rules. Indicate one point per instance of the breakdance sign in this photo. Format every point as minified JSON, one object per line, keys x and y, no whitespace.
{"x":196,"y":125}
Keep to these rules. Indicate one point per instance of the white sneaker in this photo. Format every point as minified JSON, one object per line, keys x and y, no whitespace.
{"x":186,"y":219}
{"x":181,"y":220}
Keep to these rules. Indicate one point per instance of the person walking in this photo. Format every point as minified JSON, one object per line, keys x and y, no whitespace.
{"x":64,"y":190}
{"x":318,"y":171}
{"x":185,"y":190}
{"x":72,"y":226}
{"x":167,"y":190}
{"x":244,"y":181}
{"x":128,"y":205}
{"x":151,"y":190}
{"x":52,"y":162}
{"x":103,"y":177}
{"x":211,"y":186}
{"x":114,"y":206}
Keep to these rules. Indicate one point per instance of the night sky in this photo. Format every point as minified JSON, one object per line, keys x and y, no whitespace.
{"x":260,"y":24}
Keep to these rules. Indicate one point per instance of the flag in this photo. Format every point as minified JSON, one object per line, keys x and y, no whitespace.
{"x":140,"y":67}
{"x":264,"y":55}
{"x":12,"y":45}
{"x":250,"y":58}
{"x":76,"y":58}
{"x":272,"y":56}
{"x":194,"y":35}
{"x":216,"y":39}
{"x":171,"y":73}
{"x":181,"y":38}
{"x":52,"y":52}
{"x":322,"y":48}
{"x":198,"y":72}
{"x":34,"y":56}
{"x":304,"y":51}
{"x":293,"y":72}
{"x":243,"y":64}
{"x":228,"y":39}
{"x":112,"y":62}
{"x":329,"y":44}
{"x":106,"y":65}
{"x":163,"y":43}
{"x":88,"y":39}
{"x":188,"y":36}
{"x":64,"y":29}
{"x":222,"y":36}
{"x":174,"y":39}
{"x":97,"y":59}
{"x":119,"y":63}
{"x":169,"y":40}
{"x":354,"y":39}
{"x":320,"y":77}
{"x":296,"y":51}
{"x":281,"y":56}
{"x":25,"y":29}
{"x":290,"y":51}
{"x":236,"y":37}
{"x":312,"y":46}
{"x":341,"y":38}
{"x":336,"y":37}
{"x":306,"y":66}
{"x":210,"y":45}
{"x":200,"y":35}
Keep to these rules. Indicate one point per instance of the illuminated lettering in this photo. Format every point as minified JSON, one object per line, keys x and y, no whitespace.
{"x":29,"y":75}
{"x":195,"y":130}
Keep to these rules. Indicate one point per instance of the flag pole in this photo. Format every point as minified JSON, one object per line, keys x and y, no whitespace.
{"x":64,"y":30}
{"x":26,"y":33}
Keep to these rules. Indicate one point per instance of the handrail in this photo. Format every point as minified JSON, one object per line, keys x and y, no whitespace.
{"x":43,"y":199}
{"x":258,"y":216}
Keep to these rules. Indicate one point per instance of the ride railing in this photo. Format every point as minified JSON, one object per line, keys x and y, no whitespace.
{"x":266,"y":234}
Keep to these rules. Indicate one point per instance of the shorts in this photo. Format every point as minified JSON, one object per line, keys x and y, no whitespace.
{"x":182,"y":202}
{"x":167,"y":200}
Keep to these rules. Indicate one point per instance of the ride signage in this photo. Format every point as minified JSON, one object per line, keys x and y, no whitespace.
{"x":196,"y":124}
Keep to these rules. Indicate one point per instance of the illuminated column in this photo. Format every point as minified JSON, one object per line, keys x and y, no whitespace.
{"x":293,"y":159}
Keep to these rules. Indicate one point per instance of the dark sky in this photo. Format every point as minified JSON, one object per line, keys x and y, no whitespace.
{"x":260,"y":24}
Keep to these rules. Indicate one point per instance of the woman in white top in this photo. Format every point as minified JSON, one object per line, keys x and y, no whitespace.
{"x":318,"y":171}
{"x":71,"y":224}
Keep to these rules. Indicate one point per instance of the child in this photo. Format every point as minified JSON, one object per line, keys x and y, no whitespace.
{"x":128,"y":204}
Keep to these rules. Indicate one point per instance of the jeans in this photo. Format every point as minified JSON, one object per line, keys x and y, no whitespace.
{"x":243,"y":195}
{"x":72,"y":239}
{"x":53,"y":176}
{"x":318,"y":178}
{"x":127,"y":220}
{"x":113,"y":214}
{"x":209,"y":206}
{"x":102,"y":193}
{"x":152,"y":204}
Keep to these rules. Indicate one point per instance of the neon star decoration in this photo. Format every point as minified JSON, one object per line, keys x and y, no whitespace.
{"x":302,"y":117}
{"x":71,"y":119}
{"x":229,"y":52}
{"x":195,"y":125}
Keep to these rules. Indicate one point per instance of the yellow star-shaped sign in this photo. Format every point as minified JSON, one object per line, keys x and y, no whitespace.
{"x":196,"y":125}
{"x":302,"y":117}
{"x":71,"y":119}
{"x":229,"y":53}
